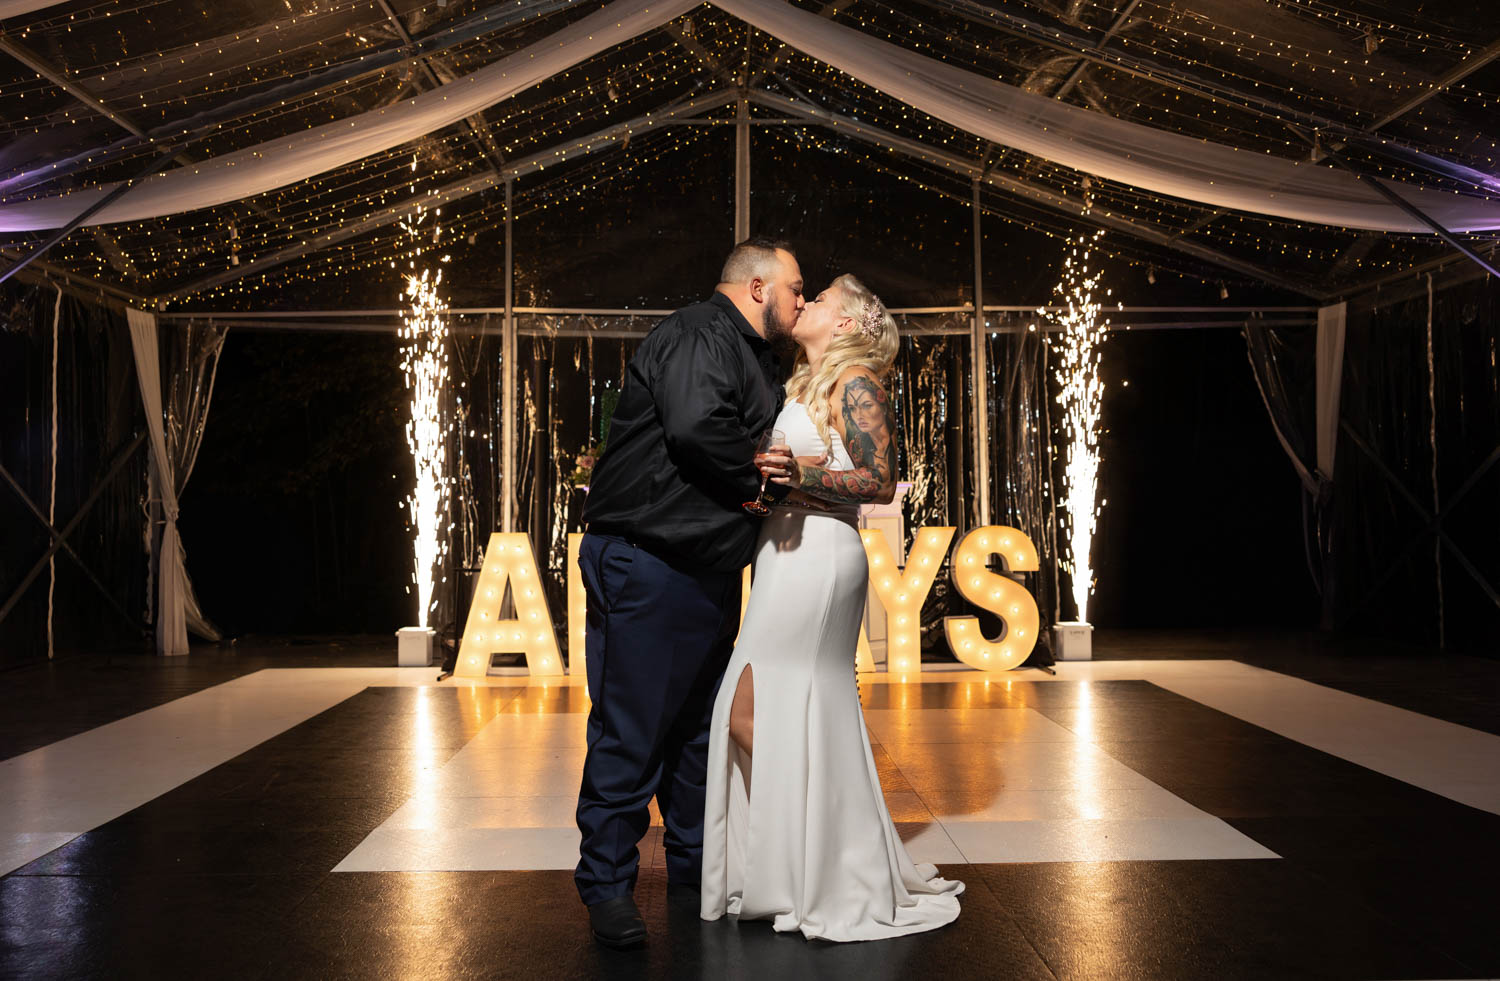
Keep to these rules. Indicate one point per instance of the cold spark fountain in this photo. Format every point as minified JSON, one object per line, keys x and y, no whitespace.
{"x":424,"y":333}
{"x":1080,"y":394}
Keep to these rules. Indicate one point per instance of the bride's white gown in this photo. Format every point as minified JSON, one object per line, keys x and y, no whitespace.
{"x":811,"y":845}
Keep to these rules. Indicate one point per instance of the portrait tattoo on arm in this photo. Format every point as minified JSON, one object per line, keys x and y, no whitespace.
{"x":870,"y":437}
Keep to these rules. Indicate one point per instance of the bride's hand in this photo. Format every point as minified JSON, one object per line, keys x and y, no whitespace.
{"x":782,"y":468}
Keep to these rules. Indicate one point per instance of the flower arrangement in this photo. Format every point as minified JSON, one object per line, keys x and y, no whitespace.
{"x":583,"y":463}
{"x":583,"y":469}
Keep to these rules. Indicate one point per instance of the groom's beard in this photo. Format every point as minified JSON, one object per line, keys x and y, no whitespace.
{"x":778,"y":331}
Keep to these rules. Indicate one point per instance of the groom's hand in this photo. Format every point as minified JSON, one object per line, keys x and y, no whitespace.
{"x":807,"y":500}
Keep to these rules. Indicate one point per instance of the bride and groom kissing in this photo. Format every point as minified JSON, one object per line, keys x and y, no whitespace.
{"x":754,"y":746}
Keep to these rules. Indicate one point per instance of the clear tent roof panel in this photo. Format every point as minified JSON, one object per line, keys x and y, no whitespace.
{"x":161,"y":60}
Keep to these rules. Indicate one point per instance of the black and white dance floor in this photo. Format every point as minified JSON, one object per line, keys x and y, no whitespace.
{"x":1146,"y":818}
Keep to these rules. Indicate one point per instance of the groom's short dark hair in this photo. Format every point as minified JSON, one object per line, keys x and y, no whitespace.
{"x":755,"y":256}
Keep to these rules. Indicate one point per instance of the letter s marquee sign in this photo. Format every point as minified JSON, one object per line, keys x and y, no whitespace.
{"x":901,"y":587}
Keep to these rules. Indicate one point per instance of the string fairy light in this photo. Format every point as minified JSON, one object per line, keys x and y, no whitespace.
{"x":1080,"y":395}
{"x":157,"y":68}
{"x":424,"y":363}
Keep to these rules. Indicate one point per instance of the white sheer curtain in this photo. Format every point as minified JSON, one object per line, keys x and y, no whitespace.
{"x":1330,"y":382}
{"x":176,"y":431}
{"x":1090,"y":142}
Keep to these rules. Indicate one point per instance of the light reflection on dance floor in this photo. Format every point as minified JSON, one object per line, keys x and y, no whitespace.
{"x":981,"y":777}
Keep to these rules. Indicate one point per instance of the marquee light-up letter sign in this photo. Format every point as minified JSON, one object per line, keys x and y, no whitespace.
{"x":1005,"y":597}
{"x":508,"y":559}
{"x":902,"y":591}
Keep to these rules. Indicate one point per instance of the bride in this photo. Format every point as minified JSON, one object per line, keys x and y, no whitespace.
{"x":796,"y":829}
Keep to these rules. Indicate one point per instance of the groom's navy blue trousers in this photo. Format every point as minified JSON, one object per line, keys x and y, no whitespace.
{"x":658,"y":640}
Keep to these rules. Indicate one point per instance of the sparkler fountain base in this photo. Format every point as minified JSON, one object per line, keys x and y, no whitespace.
{"x":1074,"y":641}
{"x":414,"y":646}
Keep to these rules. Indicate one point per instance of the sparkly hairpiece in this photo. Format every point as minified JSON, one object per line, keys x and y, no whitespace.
{"x":871,"y":322}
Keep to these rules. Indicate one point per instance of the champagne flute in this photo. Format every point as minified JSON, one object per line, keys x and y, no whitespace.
{"x":769,"y":440}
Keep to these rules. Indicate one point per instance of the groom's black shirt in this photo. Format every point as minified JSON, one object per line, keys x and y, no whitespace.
{"x":677,"y":464}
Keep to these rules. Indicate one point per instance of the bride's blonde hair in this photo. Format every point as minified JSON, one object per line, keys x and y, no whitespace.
{"x":871,"y":344}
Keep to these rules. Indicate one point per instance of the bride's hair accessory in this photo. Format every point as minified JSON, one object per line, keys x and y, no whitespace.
{"x":871,"y":322}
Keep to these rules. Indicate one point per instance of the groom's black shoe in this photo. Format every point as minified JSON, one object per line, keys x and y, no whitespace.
{"x":617,"y":923}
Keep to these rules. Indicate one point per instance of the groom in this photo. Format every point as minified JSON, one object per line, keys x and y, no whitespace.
{"x":661,"y":558}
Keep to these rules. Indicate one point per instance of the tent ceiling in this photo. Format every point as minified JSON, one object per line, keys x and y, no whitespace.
{"x":1222,"y":71}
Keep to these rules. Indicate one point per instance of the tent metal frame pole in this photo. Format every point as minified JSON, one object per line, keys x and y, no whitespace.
{"x":482,"y":22}
{"x":1413,"y":211}
{"x":1083,"y":63}
{"x":462,"y":188}
{"x":157,"y":163}
{"x":508,"y":370}
{"x":1433,"y":526}
{"x":483,"y":141}
{"x":1457,"y":73}
{"x":231,"y":316}
{"x":963,"y":328}
{"x":1046,"y":198}
{"x":979,"y":367}
{"x":60,"y":538}
{"x":742,"y":169}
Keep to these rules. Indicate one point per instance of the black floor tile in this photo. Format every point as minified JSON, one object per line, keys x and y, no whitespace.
{"x":1448,"y":902}
{"x":1326,"y":799}
{"x":532,"y":925}
{"x":144,"y":926}
{"x":313,"y":773}
{"x":1224,"y":920}
{"x":1444,"y":833}
{"x":175,"y":812}
{"x":1143,"y":720}
{"x":1267,"y":763}
{"x":129,"y":850}
{"x":42,"y":703}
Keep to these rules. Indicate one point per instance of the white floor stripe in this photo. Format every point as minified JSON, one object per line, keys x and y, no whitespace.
{"x":55,"y":793}
{"x":1455,"y":761}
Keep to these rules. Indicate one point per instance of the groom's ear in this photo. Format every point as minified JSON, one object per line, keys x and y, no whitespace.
{"x":758,"y":289}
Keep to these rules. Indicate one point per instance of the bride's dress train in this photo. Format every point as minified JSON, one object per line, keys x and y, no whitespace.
{"x":803,"y":836}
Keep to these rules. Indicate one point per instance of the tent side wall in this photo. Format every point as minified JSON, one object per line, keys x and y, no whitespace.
{"x":98,"y":597}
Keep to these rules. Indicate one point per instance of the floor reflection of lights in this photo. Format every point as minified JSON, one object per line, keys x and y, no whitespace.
{"x":969,"y":785}
{"x":971,"y":769}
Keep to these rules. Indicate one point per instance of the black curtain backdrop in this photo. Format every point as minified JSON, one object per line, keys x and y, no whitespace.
{"x":99,"y":417}
{"x":1389,"y":563}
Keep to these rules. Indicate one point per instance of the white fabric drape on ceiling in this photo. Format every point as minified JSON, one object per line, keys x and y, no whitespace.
{"x":1091,"y":142}
{"x":298,"y":156}
{"x":1101,"y":145}
{"x":15,"y":8}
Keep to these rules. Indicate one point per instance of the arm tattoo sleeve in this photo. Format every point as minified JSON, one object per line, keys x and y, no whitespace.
{"x":874,"y":468}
